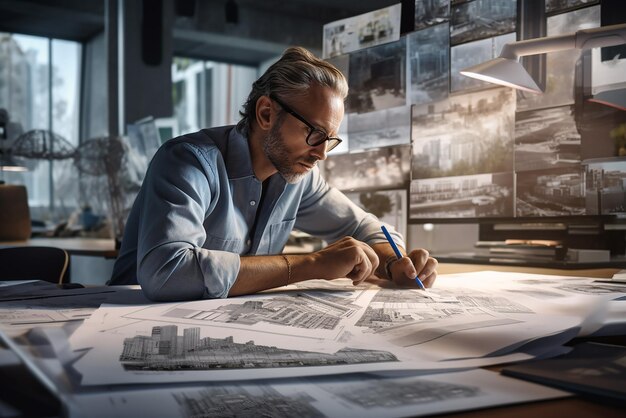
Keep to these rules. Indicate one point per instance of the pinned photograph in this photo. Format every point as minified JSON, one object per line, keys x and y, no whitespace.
{"x":463,"y":135}
{"x":476,"y":196}
{"x":383,"y":168}
{"x":382,"y":128}
{"x":431,"y":12}
{"x":557,"y":192}
{"x":480,"y":19}
{"x":342,"y":63}
{"x":388,"y":205}
{"x":605,"y":191}
{"x":377,"y":78}
{"x":362,"y":31}
{"x":546,"y":138}
{"x":558,"y":6}
{"x":429,"y":68}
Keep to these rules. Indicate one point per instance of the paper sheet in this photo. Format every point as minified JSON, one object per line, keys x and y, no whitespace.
{"x":381,"y":329}
{"x":343,"y":396}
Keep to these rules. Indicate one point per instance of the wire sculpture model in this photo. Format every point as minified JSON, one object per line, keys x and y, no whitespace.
{"x":42,"y":144}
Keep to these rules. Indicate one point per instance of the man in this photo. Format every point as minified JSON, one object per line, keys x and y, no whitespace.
{"x":215,"y":203}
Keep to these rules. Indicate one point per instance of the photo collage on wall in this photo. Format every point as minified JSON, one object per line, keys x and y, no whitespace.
{"x":468,"y":149}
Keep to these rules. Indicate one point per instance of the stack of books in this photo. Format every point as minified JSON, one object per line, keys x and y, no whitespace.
{"x":521,"y":250}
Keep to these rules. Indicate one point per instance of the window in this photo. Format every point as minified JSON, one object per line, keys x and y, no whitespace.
{"x":208,"y":93}
{"x":39,"y":87}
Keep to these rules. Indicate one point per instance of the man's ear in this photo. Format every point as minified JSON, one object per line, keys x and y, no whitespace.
{"x":264,"y":113}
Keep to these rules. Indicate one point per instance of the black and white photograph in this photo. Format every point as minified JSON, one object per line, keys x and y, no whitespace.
{"x":556,"y":192}
{"x":382,"y":128}
{"x":480,"y":19}
{"x":561,"y":69}
{"x":605,"y":185}
{"x":342,"y":133}
{"x":342,"y":62}
{"x":466,"y":134}
{"x":382,"y":168}
{"x":429,"y":64}
{"x":377,"y":78}
{"x":473,"y":53}
{"x":362,"y":31}
{"x":546,"y":138}
{"x":388,"y":205}
{"x":558,"y":6}
{"x":477,"y":196}
{"x":431,"y":12}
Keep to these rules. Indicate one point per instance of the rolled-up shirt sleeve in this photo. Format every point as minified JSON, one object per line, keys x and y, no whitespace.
{"x":327,"y":213}
{"x":178,"y":192}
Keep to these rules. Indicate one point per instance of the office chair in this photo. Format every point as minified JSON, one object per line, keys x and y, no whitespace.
{"x":34,"y":263}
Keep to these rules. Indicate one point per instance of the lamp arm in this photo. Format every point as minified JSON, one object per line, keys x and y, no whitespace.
{"x":582,"y":39}
{"x":514,"y":50}
{"x":602,"y":36}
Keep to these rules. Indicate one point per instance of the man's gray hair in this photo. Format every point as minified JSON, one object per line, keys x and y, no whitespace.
{"x":292,"y":75}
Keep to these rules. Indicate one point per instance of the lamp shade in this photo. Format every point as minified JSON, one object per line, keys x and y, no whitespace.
{"x":507,"y":71}
{"x":503,"y":71}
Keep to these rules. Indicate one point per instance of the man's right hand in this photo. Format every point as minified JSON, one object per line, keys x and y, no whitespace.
{"x":347,"y":257}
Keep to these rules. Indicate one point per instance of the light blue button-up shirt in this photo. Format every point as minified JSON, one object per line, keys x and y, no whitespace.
{"x":194,"y":215}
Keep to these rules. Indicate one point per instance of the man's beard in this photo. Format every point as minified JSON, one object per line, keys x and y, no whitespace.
{"x":276,"y":152}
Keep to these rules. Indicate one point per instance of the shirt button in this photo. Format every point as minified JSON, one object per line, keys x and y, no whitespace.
{"x":252,"y":203}
{"x":248,"y":242}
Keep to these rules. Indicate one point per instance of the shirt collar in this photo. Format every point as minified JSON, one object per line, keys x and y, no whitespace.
{"x":238,"y":158}
{"x":239,"y":161}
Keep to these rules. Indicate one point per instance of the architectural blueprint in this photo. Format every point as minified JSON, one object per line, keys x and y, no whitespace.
{"x":344,"y":396}
{"x":330,"y":329}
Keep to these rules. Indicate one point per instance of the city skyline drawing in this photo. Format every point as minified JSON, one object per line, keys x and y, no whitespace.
{"x":166,"y":350}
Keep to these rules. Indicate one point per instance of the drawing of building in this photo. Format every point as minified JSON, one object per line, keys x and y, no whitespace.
{"x":234,"y":401}
{"x":141,"y":353}
{"x":191,"y":338}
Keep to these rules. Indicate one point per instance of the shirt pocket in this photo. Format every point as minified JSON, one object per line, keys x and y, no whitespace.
{"x":279,"y":234}
{"x":220,"y":244}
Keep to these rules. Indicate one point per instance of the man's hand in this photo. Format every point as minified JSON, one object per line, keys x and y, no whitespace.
{"x":346,"y":258}
{"x":417,"y":263}
{"x":402,"y":271}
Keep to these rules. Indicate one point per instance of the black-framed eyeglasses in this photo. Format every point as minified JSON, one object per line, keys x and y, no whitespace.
{"x":316,"y":136}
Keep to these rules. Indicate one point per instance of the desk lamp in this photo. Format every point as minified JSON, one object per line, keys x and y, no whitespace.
{"x":506,"y":70}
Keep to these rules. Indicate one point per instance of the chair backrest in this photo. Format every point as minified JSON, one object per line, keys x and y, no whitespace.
{"x":34,"y":263}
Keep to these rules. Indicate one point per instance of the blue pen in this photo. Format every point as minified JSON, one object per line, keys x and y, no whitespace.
{"x":399,"y":254}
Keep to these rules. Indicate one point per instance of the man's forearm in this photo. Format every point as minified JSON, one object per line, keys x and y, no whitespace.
{"x":258,"y":273}
{"x":344,"y":258}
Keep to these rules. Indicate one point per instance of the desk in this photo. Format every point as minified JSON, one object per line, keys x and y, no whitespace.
{"x":572,"y":407}
{"x":453,"y":268}
{"x":98,"y":247}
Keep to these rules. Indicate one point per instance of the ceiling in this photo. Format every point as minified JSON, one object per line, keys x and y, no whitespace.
{"x":264,"y":29}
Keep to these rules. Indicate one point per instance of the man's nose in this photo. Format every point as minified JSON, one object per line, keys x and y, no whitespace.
{"x":319,"y":151}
